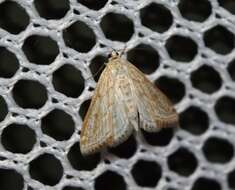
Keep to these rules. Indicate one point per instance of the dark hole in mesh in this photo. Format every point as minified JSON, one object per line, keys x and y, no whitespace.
{"x":90,"y":88}
{"x":182,"y":162}
{"x":25,"y":69}
{"x":231,"y":179}
{"x":68,"y":80}
{"x":43,"y":144}
{"x":144,"y":57}
{"x":106,"y":161}
{"x":11,"y":180}
{"x":117,"y":27}
{"x":41,"y":50}
{"x":161,"y":138}
{"x":228,"y":4}
{"x":97,"y":66}
{"x":18,"y":138}
{"x":93,"y":4}
{"x":69,"y":176}
{"x":110,"y":180}
{"x":126,"y":149}
{"x":2,"y":158}
{"x":13,"y":17}
{"x":172,"y":88}
{"x":195,"y":10}
{"x":54,"y":100}
{"x":181,"y":48}
{"x":83,"y":108}
{"x":146,"y":173}
{"x":206,"y":79}
{"x":3,"y":108}
{"x":156,"y":17}
{"x":80,"y":162}
{"x":52,"y":9}
{"x":80,"y":37}
{"x":30,"y":188}
{"x":203,"y":183}
{"x":231,"y":69}
{"x":9,"y":64}
{"x":225,"y":109}
{"x":58,"y":124}
{"x":47,"y":169}
{"x":29,"y":94}
{"x":219,"y":39}
{"x":76,"y":12}
{"x":72,"y":188}
{"x":194,"y":120}
{"x":218,"y":150}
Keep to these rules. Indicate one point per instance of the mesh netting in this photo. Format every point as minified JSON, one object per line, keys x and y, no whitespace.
{"x":50,"y":49}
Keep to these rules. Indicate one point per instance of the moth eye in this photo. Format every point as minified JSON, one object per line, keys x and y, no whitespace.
{"x":109,"y":55}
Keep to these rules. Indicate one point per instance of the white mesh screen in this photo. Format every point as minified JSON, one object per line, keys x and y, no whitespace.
{"x":49,"y":51}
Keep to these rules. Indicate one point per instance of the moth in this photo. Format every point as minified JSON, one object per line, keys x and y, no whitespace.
{"x":124,"y":101}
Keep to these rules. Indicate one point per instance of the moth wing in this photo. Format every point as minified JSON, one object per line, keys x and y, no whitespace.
{"x":96,"y":130}
{"x":154,"y":108}
{"x":106,"y":122}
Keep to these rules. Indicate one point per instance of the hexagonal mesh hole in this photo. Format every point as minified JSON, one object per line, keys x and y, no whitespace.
{"x":219,"y":39}
{"x":206,"y":183}
{"x":185,"y":52}
{"x":79,"y":36}
{"x":156,"y":17}
{"x":93,"y":4}
{"x":218,"y":150}
{"x":228,"y":5}
{"x":173,"y":88}
{"x":58,"y":124}
{"x":47,"y":169}
{"x":13,"y":17}
{"x":18,"y":138}
{"x":4,"y":108}
{"x":29,"y":94}
{"x":40,"y":50}
{"x":194,"y":120}
{"x":9,"y":64}
{"x":10,"y":175}
{"x":110,"y":180}
{"x":125,"y":150}
{"x":225,"y":109}
{"x":72,"y":188}
{"x":68,"y":80}
{"x":182,"y":162}
{"x":112,"y":22}
{"x":79,"y":162}
{"x":196,"y":11}
{"x":144,"y":57}
{"x":206,"y":79}
{"x":231,"y":179}
{"x":52,"y":9}
{"x":146,"y":173}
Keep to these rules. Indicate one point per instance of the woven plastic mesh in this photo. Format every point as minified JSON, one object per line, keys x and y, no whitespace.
{"x":49,"y":51}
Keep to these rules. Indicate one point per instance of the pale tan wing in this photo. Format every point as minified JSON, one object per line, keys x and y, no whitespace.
{"x":106,"y":122}
{"x":96,"y":131}
{"x":123,"y":108}
{"x":155,"y":109}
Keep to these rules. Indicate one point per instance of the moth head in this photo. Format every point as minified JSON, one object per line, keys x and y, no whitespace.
{"x":113,"y":55}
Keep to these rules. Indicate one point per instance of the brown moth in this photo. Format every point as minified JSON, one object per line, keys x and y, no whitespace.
{"x":124,"y":100}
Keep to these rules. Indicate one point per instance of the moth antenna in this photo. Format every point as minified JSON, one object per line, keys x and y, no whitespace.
{"x":100,"y":69}
{"x":123,"y":50}
{"x":114,"y":50}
